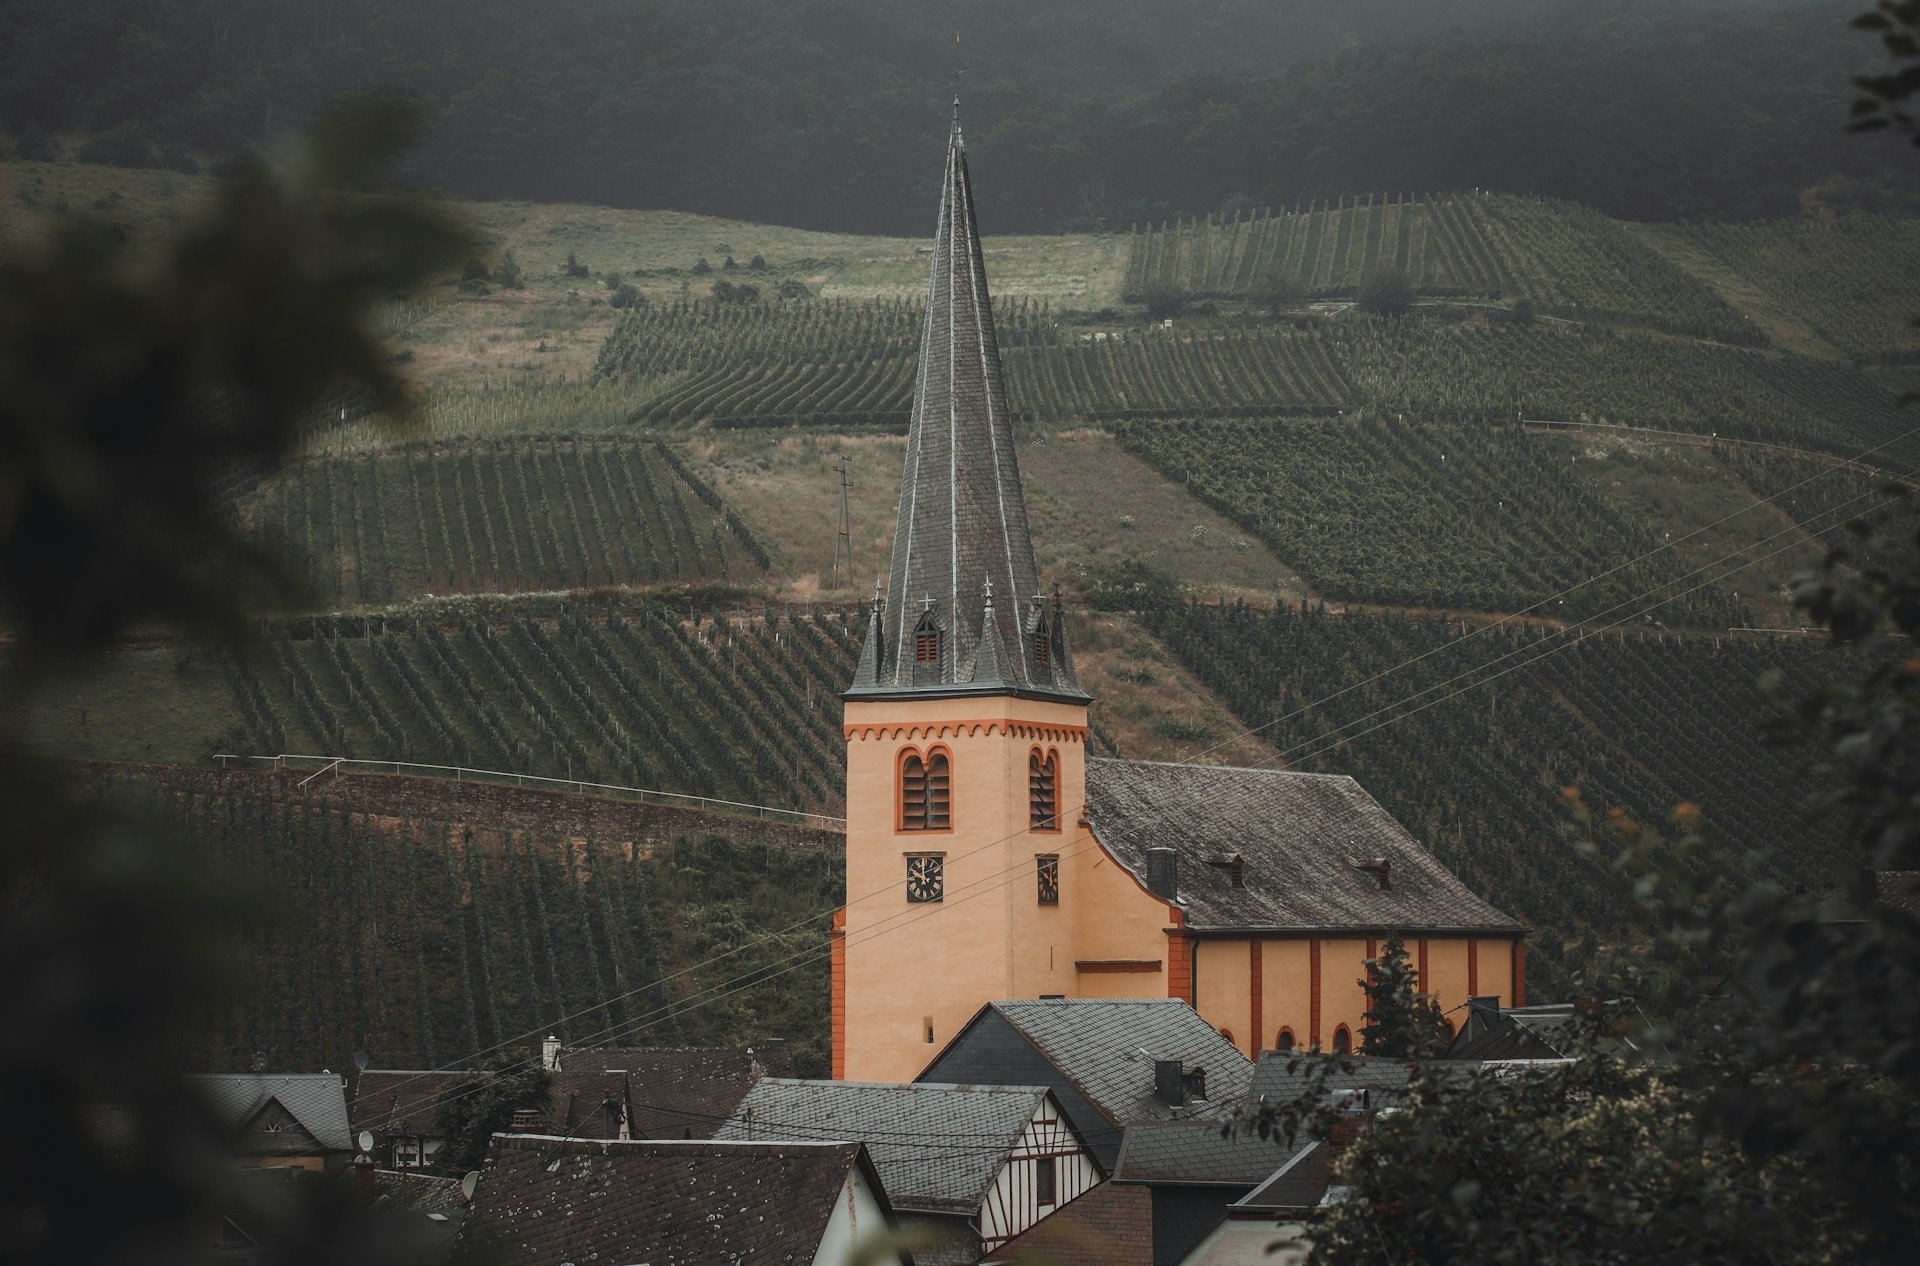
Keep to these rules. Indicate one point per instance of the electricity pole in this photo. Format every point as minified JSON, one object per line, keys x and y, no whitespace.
{"x":843,"y":530}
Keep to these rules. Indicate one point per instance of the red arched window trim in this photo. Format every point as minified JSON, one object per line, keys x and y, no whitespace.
{"x":923,"y":788}
{"x":1343,"y":1041}
{"x":1283,"y":1040}
{"x":1043,"y":790}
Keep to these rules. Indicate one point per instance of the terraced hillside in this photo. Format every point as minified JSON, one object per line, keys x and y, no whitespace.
{"x":1450,"y":517}
{"x":436,"y":920}
{"x":1570,"y":261}
{"x":478,"y":517}
{"x":1469,"y":744}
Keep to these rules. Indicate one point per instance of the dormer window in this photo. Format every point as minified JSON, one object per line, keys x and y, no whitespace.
{"x":926,"y":640}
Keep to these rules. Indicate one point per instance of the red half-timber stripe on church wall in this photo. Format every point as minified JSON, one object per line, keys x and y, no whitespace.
{"x":1473,"y":967}
{"x":1254,"y":948}
{"x":1179,"y":959}
{"x":1519,"y":972}
{"x":837,"y":1002}
{"x":1313,"y":992}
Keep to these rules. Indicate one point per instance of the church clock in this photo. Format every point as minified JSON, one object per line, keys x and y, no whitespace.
{"x":926,"y":876}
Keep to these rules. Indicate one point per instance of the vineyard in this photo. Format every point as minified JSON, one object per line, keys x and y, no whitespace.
{"x":424,"y":937}
{"x":1824,"y":505}
{"x":848,"y":364}
{"x":852,"y":364}
{"x":634,"y":694}
{"x":1502,"y":372}
{"x":1643,"y":722}
{"x":1442,"y":516}
{"x":1847,"y":278}
{"x":377,"y":527}
{"x":1568,"y":260}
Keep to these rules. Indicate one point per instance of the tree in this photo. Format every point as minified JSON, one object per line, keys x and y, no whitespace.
{"x":507,"y":276}
{"x":1400,"y":1022}
{"x":133,"y":384}
{"x":1278,"y":292}
{"x":1164,"y":301}
{"x":1386,"y":294}
{"x":475,"y":1105}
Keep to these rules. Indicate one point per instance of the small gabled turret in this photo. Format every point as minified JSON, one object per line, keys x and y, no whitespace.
{"x":873,"y":648}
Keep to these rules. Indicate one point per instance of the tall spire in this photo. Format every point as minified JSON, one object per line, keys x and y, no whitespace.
{"x":962,"y":527}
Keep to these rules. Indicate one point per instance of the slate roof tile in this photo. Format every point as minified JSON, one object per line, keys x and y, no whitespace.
{"x":1106,"y":1047}
{"x":1301,"y":1183}
{"x":670,"y":1092}
{"x":1299,"y":836}
{"x":937,"y":1147}
{"x":1198,"y":1152}
{"x":544,"y":1201}
{"x":318,"y":1101}
{"x":1108,"y":1225}
{"x":396,"y":1101}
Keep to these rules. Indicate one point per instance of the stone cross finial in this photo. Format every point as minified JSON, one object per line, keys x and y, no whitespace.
{"x":989,"y":593}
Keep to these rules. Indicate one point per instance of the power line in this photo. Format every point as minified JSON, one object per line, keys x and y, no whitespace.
{"x":800,"y":958}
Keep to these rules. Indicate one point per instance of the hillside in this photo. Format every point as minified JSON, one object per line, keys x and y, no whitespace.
{"x":605,"y":554}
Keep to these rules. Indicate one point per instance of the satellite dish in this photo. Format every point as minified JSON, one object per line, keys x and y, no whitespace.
{"x":366,"y":1140}
{"x":468,"y":1183}
{"x":361,"y":1059}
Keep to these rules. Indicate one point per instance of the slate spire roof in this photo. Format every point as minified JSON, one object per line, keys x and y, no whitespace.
{"x":964,"y":613}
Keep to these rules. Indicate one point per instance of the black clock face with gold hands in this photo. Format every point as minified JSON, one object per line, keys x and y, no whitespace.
{"x":1049,"y":868}
{"x":925,"y":876}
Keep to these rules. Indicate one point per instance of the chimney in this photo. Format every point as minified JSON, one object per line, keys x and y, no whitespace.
{"x":1346,"y":1128}
{"x":550,"y":1054}
{"x":1169,"y":1080}
{"x":1163,"y":873}
{"x":527,"y":1121}
{"x":363,"y":1178}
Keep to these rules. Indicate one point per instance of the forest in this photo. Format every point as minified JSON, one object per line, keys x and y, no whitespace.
{"x":1090,"y":115}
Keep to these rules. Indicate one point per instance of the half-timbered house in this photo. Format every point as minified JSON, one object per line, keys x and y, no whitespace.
{"x":977,"y":1165}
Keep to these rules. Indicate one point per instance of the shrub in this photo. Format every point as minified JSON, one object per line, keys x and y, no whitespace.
{"x":124,"y":146}
{"x":575,"y":268}
{"x":507,"y":276}
{"x":701,"y":267}
{"x":1164,"y":301}
{"x":626,"y":295}
{"x":473,"y":271}
{"x":1521,"y":313}
{"x":612,"y":281}
{"x":1387,"y":294}
{"x":794,"y":288}
{"x":729,"y":266}
{"x":1277,"y":292}
{"x":758,"y":263}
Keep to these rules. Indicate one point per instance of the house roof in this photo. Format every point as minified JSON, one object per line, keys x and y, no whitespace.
{"x":396,"y":1101}
{"x":1898,"y":890}
{"x":1300,"y":1183}
{"x":1105,"y":1225}
{"x":1106,"y":1047}
{"x":1306,"y":843}
{"x":1198,"y":1153}
{"x":1281,"y":1077}
{"x":937,"y":1147}
{"x":417,"y":1193}
{"x":962,"y":552}
{"x":670,"y":1092}
{"x":1516,"y":1033}
{"x":317,"y":1101}
{"x":544,"y":1200}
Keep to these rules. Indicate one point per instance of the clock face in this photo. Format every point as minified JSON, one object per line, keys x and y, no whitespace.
{"x":925,"y":876}
{"x":1049,"y":881}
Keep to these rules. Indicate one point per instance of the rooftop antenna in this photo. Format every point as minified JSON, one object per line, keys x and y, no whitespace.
{"x":843,"y":529}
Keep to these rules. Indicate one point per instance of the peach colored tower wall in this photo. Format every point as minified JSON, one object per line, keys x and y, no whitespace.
{"x":910,"y":974}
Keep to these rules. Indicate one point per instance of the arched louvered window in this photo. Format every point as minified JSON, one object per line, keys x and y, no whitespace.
{"x":1284,"y":1041}
{"x":926,"y":801}
{"x":1042,"y":648}
{"x":1342,"y":1041}
{"x":1043,"y":790}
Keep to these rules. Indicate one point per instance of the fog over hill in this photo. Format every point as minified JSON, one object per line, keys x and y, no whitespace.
{"x":1089,"y":115}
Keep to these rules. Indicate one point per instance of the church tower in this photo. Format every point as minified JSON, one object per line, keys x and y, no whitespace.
{"x":965,"y":726}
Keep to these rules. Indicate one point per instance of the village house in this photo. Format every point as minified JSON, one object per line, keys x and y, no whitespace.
{"x":989,"y":856}
{"x":976,"y":1165}
{"x":614,"y":1092}
{"x":545,"y":1200}
{"x":293,"y":1121}
{"x":1108,"y":1061}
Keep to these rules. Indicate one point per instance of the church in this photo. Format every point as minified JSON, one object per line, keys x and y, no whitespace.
{"x":991,"y":857}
